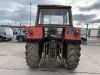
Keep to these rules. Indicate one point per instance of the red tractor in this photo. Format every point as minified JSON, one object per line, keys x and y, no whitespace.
{"x":53,"y":36}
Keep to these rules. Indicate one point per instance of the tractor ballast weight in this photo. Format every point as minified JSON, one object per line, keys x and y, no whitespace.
{"x":53,"y":36}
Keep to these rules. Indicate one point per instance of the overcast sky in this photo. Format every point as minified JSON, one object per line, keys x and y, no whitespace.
{"x":14,"y":11}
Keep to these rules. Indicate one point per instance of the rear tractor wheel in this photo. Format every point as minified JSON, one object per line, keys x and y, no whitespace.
{"x":73,"y":56}
{"x":32,"y":54}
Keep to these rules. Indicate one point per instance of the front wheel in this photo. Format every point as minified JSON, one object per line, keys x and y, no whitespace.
{"x":1,"y":39}
{"x":73,"y":56}
{"x":21,"y":39}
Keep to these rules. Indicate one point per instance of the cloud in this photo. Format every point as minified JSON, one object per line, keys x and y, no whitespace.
{"x":95,"y":21}
{"x":4,"y":14}
{"x":18,"y":10}
{"x":20,"y":15}
{"x":95,"y":6}
{"x":83,"y":18}
{"x":26,"y":2}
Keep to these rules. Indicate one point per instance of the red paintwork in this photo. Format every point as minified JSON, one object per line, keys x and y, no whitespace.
{"x":37,"y":32}
{"x":72,"y":36}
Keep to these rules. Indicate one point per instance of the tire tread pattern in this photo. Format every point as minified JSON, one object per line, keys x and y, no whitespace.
{"x":73,"y":56}
{"x":32,"y":54}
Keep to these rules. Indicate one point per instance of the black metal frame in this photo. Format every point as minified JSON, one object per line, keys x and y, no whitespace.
{"x":54,"y":7}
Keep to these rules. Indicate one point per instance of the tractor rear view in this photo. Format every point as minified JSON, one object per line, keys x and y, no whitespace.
{"x":53,"y":36}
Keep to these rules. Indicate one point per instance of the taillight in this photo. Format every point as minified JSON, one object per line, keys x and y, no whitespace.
{"x":30,"y":31}
{"x":72,"y":31}
{"x":77,"y":32}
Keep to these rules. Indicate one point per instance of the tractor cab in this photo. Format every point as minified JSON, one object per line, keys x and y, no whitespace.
{"x":53,"y":18}
{"x":54,"y":15}
{"x":54,"y":21}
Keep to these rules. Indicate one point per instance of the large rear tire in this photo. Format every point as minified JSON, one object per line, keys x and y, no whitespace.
{"x":32,"y":54}
{"x":73,"y":56}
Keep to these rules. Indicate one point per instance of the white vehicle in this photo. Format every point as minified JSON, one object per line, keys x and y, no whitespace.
{"x":94,"y":32}
{"x":83,"y":36}
{"x":6,"y":34}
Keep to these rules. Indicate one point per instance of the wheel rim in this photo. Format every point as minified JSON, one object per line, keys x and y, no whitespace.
{"x":21,"y":39}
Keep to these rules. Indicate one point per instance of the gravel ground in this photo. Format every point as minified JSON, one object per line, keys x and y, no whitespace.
{"x":12,"y":61}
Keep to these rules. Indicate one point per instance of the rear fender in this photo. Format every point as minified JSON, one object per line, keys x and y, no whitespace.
{"x":72,"y":33}
{"x":34,"y":32}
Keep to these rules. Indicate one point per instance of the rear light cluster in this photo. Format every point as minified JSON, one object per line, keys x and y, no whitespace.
{"x":72,"y":31}
{"x":34,"y":32}
{"x":30,"y":31}
{"x":77,"y":32}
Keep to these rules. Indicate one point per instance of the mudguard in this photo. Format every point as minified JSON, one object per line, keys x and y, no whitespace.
{"x":72,"y":33}
{"x":34,"y":32}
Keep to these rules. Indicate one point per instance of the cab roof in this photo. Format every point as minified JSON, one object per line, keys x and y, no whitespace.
{"x":54,"y":6}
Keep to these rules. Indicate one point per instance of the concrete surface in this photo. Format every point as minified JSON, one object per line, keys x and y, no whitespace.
{"x":12,"y":61}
